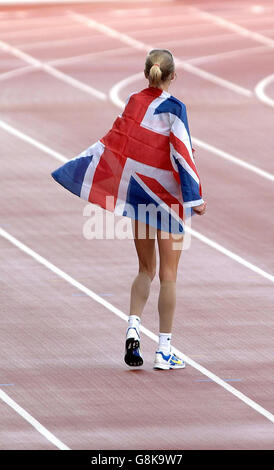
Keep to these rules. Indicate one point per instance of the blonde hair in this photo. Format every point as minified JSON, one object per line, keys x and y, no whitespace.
{"x":159,"y":66}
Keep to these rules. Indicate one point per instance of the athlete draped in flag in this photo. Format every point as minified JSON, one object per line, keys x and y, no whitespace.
{"x":144,"y":169}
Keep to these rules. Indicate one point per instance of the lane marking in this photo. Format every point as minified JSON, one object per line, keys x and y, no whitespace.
{"x":90,"y":55}
{"x":208,"y":39}
{"x":215,"y":38}
{"x":227,"y":54}
{"x":52,"y":71}
{"x":57,"y":42}
{"x":108,"y":31}
{"x":185,"y":65}
{"x":234,"y":27}
{"x":81,"y":39}
{"x":230,"y":254}
{"x":231,"y":158}
{"x":115,"y":98}
{"x":225,"y":380}
{"x":46,"y":31}
{"x":21,"y":135}
{"x":27,"y":21}
{"x":252,"y":404}
{"x":17,"y":72}
{"x":260,"y":90}
{"x":31,"y":420}
{"x":125,"y":50}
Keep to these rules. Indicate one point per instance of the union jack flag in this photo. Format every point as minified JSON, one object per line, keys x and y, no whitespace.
{"x":145,"y":160}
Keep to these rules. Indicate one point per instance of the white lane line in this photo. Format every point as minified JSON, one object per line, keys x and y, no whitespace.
{"x":67,"y":60}
{"x":21,"y":135}
{"x":258,"y":19}
{"x":231,"y":158}
{"x":31,"y":420}
{"x":230,"y":254}
{"x":146,"y":47}
{"x":52,"y":71}
{"x":260,"y":90}
{"x":126,"y":50}
{"x":147,"y":28}
{"x":46,"y":32}
{"x":17,"y":72}
{"x":194,"y":233}
{"x":216,"y":38}
{"x":227,"y":54}
{"x":234,"y":27}
{"x":59,"y":42}
{"x":252,"y":404}
{"x":115,"y":98}
{"x":213,"y":78}
{"x":221,"y":37}
{"x":90,"y":55}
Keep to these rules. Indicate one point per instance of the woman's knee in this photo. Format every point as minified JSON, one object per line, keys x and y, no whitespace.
{"x":150,"y":270}
{"x":168,"y":274}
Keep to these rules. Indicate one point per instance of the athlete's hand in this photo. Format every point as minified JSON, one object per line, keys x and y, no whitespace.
{"x":200,"y":210}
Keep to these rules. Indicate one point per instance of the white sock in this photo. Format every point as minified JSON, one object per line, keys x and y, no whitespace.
{"x":133,"y":322}
{"x":165,"y":342}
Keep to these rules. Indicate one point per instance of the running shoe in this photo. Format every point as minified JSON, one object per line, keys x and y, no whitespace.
{"x":133,"y":357}
{"x":169,"y":361}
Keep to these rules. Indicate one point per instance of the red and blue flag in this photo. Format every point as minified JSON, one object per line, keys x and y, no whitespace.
{"x":145,"y":161}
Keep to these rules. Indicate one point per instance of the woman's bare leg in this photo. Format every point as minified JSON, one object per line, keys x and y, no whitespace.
{"x":169,"y":260}
{"x":145,"y":248}
{"x":165,"y":358}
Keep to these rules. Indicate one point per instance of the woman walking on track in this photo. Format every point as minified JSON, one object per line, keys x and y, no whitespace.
{"x":144,"y":169}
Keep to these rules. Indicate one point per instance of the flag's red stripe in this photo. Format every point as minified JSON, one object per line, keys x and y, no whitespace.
{"x":107,"y":178}
{"x":163,"y":194}
{"x":133,"y":141}
{"x":182,"y":150}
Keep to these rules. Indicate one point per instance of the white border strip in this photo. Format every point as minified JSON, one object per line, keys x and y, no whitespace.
{"x":252,"y":404}
{"x":38,"y":426}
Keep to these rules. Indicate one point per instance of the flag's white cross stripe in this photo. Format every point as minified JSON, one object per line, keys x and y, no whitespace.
{"x":96,"y":151}
{"x":115,"y":98}
{"x":164,"y":177}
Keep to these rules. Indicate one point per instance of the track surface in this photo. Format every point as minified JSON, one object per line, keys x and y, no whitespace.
{"x":61,"y":351}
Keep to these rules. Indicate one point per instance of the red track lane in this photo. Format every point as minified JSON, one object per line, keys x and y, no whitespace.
{"x":54,"y":339}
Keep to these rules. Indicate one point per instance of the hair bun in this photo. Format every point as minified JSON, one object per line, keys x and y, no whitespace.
{"x":159,"y":66}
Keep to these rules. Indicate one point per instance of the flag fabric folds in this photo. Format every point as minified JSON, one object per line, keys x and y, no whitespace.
{"x":143,"y":167}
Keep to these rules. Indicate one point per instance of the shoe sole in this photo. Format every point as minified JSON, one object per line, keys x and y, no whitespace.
{"x":130,"y":358}
{"x":167,"y":367}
